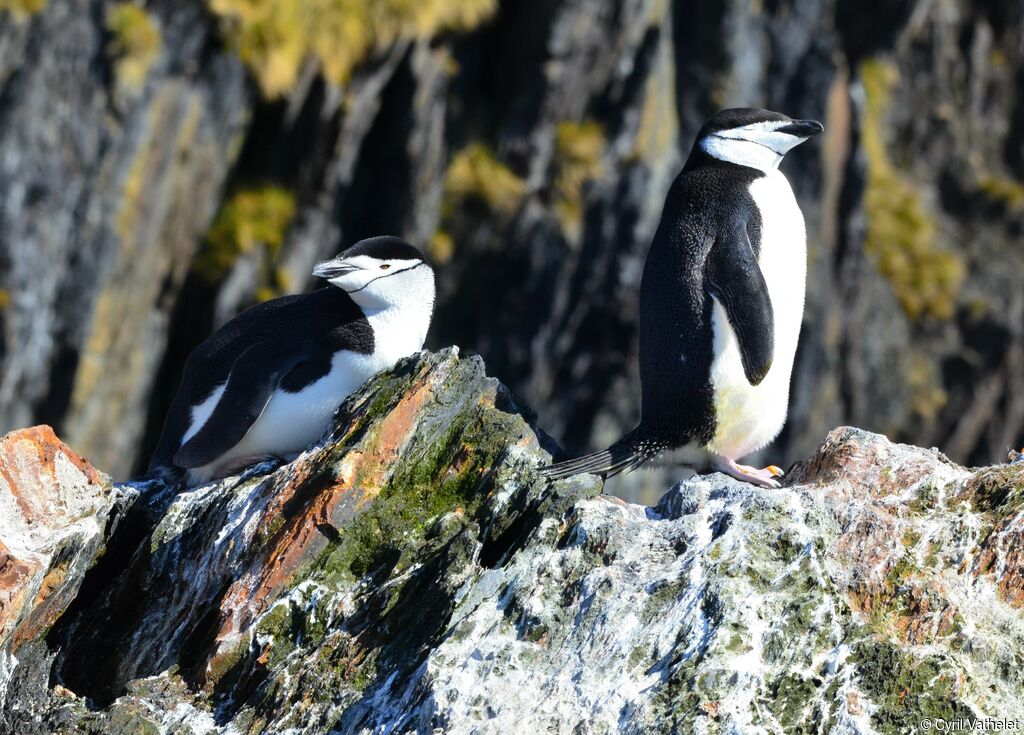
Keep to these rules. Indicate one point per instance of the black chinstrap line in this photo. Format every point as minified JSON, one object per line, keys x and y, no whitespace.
{"x":388,"y":275}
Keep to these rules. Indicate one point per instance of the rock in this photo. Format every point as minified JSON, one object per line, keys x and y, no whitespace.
{"x":54,"y":508}
{"x":412,"y":573}
{"x":429,"y":474}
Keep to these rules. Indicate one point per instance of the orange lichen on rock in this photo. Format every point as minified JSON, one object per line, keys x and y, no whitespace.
{"x":53,"y":506}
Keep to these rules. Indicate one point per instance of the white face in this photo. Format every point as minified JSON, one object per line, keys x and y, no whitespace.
{"x":759,"y":145}
{"x":378,"y":283}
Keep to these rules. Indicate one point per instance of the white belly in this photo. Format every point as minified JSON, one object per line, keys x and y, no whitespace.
{"x":748,"y":417}
{"x":293,"y":421}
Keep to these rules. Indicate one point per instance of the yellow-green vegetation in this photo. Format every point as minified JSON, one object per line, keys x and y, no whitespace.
{"x":256,"y":217}
{"x":131,"y":197}
{"x":23,"y":7}
{"x":441,"y":247}
{"x":901,"y":236}
{"x":476,"y":175}
{"x":475,"y":179}
{"x":429,"y":497}
{"x":135,"y":44}
{"x":924,"y":384}
{"x":911,"y":538}
{"x":1004,"y":190}
{"x":657,"y":131}
{"x":579,"y":149}
{"x":275,"y":37}
{"x":277,"y":280}
{"x":659,"y":125}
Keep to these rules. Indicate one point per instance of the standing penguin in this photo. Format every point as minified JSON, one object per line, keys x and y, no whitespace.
{"x":268,"y":382}
{"x":721,"y":301}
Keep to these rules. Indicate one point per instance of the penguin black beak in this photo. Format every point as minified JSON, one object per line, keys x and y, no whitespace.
{"x":332,"y":269}
{"x":802,"y":128}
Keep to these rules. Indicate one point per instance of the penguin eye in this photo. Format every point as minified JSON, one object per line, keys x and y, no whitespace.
{"x":385,"y":266}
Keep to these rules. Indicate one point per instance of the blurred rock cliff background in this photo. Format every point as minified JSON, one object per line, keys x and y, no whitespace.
{"x":165,"y":164}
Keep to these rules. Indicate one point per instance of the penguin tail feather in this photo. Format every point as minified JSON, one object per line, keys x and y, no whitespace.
{"x":624,"y":455}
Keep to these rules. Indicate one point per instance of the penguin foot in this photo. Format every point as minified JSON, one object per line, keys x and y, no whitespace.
{"x":762,"y":477}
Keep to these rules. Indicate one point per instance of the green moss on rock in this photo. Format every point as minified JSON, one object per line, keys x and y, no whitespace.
{"x":926,"y":498}
{"x":901,"y":234}
{"x":441,"y":247}
{"x":661,"y":595}
{"x":924,"y":384}
{"x":478,"y":184}
{"x":793,"y":696}
{"x":134,"y":45}
{"x":417,"y":494}
{"x":905,"y":688}
{"x":997,"y":490}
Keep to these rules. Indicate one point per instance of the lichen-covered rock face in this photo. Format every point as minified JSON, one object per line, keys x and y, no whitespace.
{"x":860,"y":598}
{"x":413,"y":574}
{"x":53,"y":509}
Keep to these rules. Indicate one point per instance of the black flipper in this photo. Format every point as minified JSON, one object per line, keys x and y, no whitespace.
{"x":735,"y":279}
{"x":253,"y":379}
{"x":624,"y":455}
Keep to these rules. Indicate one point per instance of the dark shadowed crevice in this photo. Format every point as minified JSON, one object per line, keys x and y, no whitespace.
{"x":382,"y":196}
{"x":848,"y":268}
{"x":1015,"y":139}
{"x":89,"y":643}
{"x":701,"y":56}
{"x":52,"y":407}
{"x":497,"y":549}
{"x":497,"y":99}
{"x":869,"y":27}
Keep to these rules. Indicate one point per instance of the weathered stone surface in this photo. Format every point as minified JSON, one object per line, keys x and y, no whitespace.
{"x":844,"y":601}
{"x":413,"y":574}
{"x":53,"y":511}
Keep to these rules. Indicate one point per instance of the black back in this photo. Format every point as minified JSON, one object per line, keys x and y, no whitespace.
{"x":313,"y":325}
{"x":709,"y":199}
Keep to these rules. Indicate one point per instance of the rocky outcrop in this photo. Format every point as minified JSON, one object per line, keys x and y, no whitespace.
{"x":413,"y":573}
{"x":54,"y":514}
{"x":529,"y":148}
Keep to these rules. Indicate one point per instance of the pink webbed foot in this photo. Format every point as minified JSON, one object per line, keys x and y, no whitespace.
{"x":762,"y":477}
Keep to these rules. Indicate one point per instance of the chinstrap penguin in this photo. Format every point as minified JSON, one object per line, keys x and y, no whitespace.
{"x":267,"y":383}
{"x":721,"y":301}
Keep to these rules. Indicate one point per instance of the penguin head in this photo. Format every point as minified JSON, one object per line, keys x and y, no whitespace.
{"x":380,"y":272}
{"x":751,"y":137}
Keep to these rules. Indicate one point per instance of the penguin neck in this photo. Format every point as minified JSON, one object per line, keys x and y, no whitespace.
{"x":401,"y":320}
